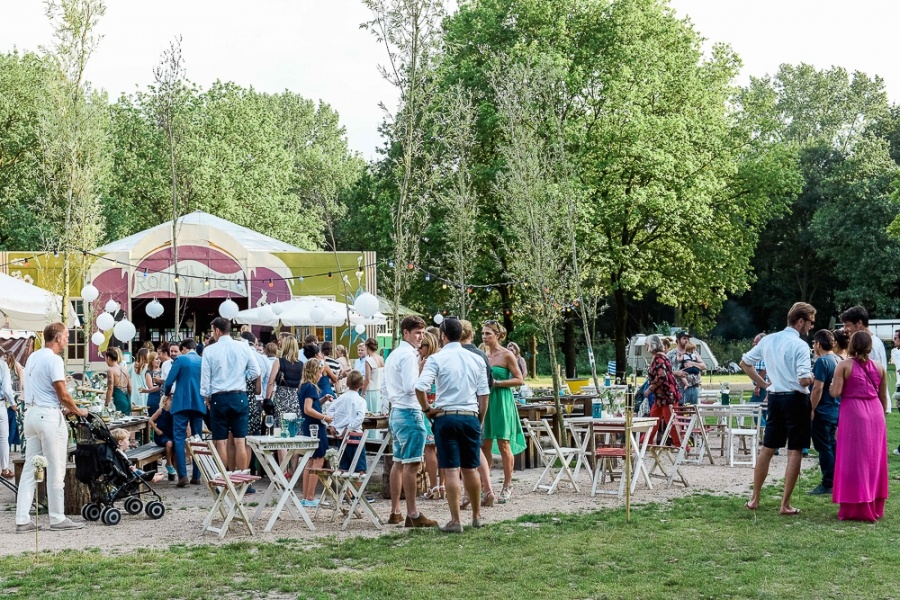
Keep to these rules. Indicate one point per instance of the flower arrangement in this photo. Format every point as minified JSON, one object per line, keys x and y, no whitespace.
{"x":39,"y":462}
{"x":331,"y":455}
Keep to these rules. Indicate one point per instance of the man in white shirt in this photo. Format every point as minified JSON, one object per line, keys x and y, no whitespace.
{"x":360,"y":363}
{"x":789,"y":374}
{"x":462,"y":401}
{"x":47,"y":402}
{"x":407,"y":423}
{"x":857,"y":319}
{"x":226,"y":367}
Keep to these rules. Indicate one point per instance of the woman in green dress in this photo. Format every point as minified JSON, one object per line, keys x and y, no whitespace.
{"x":501,"y":423}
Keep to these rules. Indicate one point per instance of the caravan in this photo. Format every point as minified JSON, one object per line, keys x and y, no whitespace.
{"x":639,"y":360}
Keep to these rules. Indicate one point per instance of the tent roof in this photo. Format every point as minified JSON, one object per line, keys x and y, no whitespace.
{"x":249,"y":239}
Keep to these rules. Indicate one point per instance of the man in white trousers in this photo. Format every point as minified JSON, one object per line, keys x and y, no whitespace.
{"x":46,"y":404}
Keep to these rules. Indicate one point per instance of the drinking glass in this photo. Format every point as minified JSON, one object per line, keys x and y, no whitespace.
{"x":314,"y":431}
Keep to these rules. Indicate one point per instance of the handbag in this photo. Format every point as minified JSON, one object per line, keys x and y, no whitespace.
{"x":279,"y":379}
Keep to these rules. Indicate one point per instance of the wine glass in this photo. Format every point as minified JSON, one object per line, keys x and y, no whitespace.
{"x":270,"y":423}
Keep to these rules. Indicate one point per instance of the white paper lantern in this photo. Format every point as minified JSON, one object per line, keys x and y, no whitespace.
{"x":317,"y":314}
{"x":98,"y":338}
{"x":438,"y":318}
{"x":277,"y":308}
{"x":89,"y":293}
{"x":111,"y":306}
{"x":229,"y":309}
{"x":155,"y":309}
{"x":360,"y":329}
{"x":105,"y":322}
{"x":366,"y":305}
{"x":265,"y":314}
{"x":124,"y":330}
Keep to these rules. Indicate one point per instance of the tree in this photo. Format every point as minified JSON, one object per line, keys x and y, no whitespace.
{"x":410,"y":31}
{"x":73,"y":150}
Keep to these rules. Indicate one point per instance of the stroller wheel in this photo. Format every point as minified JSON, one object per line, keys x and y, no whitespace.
{"x":134,"y":505}
{"x":90,"y":512}
{"x":155,"y":510}
{"x":111,"y":516}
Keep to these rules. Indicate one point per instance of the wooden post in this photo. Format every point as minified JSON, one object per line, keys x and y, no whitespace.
{"x":629,"y":414}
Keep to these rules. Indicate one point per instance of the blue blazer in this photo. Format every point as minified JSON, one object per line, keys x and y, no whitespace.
{"x":185,"y":372}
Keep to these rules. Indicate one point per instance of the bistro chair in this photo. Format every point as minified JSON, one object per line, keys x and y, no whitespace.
{"x":541,"y":434}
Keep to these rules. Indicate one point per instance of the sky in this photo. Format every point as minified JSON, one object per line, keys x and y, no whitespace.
{"x":315,"y":47}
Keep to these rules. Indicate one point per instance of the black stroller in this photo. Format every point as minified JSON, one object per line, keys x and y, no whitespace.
{"x":107,"y":472}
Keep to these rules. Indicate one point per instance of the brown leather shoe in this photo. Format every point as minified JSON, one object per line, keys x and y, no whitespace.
{"x":196,"y":481}
{"x":420,"y":521}
{"x":396,"y":519}
{"x":182,"y":482}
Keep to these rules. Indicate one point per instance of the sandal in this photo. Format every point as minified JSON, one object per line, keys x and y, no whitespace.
{"x":464,"y":503}
{"x":442,"y":492}
{"x":505,"y":493}
{"x":487,"y":499}
{"x":433,"y":493}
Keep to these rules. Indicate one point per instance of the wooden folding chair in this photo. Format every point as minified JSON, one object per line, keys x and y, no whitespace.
{"x":331,"y":478}
{"x":229,"y":489}
{"x":550,"y":451}
{"x":681,"y":425}
{"x":581,"y":438}
{"x":738,"y":427}
{"x":699,"y":433}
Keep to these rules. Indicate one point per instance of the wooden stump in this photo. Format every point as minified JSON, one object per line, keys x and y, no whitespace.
{"x":422,"y":483}
{"x":75,"y":493}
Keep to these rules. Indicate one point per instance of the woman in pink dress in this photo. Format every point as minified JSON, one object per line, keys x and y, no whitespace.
{"x":861,"y":467}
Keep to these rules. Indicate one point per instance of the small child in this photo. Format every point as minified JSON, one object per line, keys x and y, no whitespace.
{"x":121,"y":436}
{"x":690,"y":365}
{"x":348,"y":412}
{"x":162,"y":423}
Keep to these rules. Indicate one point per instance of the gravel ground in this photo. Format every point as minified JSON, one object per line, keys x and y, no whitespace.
{"x":187,"y":507}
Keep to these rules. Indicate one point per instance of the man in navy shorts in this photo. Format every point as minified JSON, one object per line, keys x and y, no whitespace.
{"x":462,"y":401}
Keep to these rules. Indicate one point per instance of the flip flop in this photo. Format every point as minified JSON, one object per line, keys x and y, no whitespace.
{"x":747,"y":506}
{"x":791,"y":513}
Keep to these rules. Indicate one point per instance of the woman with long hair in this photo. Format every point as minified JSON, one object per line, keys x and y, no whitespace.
{"x":861,"y":461}
{"x":152,"y":390}
{"x":118,"y":383}
{"x":371,"y":389}
{"x":502,"y":427}
{"x":137,"y":373}
{"x":284,"y":380}
{"x":520,"y":360}
{"x":12,"y":406}
{"x":308,"y":396}
{"x":429,"y":346}
{"x":662,"y":385}
{"x":9,"y":399}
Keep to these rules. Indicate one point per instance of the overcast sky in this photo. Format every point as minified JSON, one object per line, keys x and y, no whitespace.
{"x":315,"y":47}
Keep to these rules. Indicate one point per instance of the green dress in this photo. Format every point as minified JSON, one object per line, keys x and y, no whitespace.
{"x":502,"y":419}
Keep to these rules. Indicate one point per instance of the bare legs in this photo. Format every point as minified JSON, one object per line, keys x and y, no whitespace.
{"x":310,"y":479}
{"x":791,"y":472}
{"x":431,"y":465}
{"x":403,"y":476}
{"x":472,"y":481}
{"x":240,"y":459}
{"x":506,"y":457}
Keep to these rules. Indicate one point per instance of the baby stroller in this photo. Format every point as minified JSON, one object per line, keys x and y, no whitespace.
{"x":107,"y":472}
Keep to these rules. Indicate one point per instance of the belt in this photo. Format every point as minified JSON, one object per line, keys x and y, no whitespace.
{"x":462,"y":413}
{"x":786,"y":393}
{"x":229,"y":392}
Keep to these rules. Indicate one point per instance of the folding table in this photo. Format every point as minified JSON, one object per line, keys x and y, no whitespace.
{"x":616,"y":425}
{"x":265,"y":448}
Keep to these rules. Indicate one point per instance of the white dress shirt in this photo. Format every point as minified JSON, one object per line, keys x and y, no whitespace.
{"x":787,"y":360}
{"x":348,"y":411}
{"x":401,"y":372}
{"x":226,"y":366}
{"x":458,"y":375}
{"x":880,"y":356}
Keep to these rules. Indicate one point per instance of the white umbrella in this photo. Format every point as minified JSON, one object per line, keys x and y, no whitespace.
{"x":29,"y":307}
{"x":252,"y":316}
{"x":376,"y":319}
{"x":302,"y":314}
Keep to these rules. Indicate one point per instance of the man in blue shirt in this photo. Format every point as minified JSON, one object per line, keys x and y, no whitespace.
{"x":824,"y":408}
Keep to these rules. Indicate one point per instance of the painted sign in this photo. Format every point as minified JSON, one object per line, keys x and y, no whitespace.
{"x":192,"y":282}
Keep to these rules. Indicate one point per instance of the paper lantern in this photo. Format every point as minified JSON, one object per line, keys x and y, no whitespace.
{"x":98,"y":338}
{"x":229,"y":309}
{"x":105,"y":322}
{"x":111,"y":306}
{"x":124,"y":330}
{"x":317,"y":314}
{"x":89,"y":293}
{"x":366,"y":305}
{"x":154,"y":309}
{"x":438,"y":318}
{"x":277,"y":308}
{"x":360,"y":329}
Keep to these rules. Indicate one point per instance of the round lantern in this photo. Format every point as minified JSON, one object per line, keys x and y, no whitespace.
{"x":105,"y":322}
{"x":124,"y":330}
{"x":360,"y":329}
{"x":277,"y":308}
{"x":317,"y":314}
{"x":229,"y":309}
{"x":154,"y":309}
{"x":111,"y":306}
{"x":366,"y":305}
{"x":438,"y":318}
{"x":89,"y":293}
{"x":98,"y":338}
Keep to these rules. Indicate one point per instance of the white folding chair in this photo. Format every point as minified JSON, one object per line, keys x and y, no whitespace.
{"x":581,"y":437}
{"x":228,"y":488}
{"x":343,"y":479}
{"x":682,"y":425}
{"x":548,"y":447}
{"x":747,"y":431}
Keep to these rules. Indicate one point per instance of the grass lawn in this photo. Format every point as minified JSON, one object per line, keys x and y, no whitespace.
{"x":700,"y":546}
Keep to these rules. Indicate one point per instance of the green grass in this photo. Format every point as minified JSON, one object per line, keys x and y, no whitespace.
{"x":695,"y":547}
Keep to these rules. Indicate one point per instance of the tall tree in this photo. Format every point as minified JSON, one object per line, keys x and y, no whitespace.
{"x":410,"y":32}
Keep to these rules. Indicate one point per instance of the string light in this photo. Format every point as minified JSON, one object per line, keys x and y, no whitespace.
{"x":26,"y":262}
{"x":56,"y":254}
{"x":444,"y":286}
{"x":427,"y":277}
{"x":359,"y":274}
{"x":206,"y":281}
{"x":391,"y":263}
{"x":177,"y":279}
{"x":410,"y":266}
{"x":271,"y":283}
{"x":145,"y":272}
{"x":469,"y":290}
{"x":489,"y":289}
{"x":301,"y":279}
{"x":329,"y":275}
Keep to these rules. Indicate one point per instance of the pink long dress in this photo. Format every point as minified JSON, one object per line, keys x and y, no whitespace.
{"x":861,"y":462}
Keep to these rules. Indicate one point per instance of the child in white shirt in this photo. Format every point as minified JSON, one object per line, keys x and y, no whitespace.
{"x":348,"y":412}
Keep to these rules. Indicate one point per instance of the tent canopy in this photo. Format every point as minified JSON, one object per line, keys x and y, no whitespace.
{"x":29,"y":307}
{"x":300,"y":312}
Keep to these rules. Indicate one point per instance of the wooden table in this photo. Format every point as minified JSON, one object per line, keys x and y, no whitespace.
{"x":133,"y":425}
{"x":616,"y":425}
{"x":265,"y":447}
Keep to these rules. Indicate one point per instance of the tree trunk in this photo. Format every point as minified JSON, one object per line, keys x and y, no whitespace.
{"x":557,"y":384}
{"x":569,"y":350}
{"x":507,"y":308}
{"x":532,"y":360}
{"x":620,"y":334}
